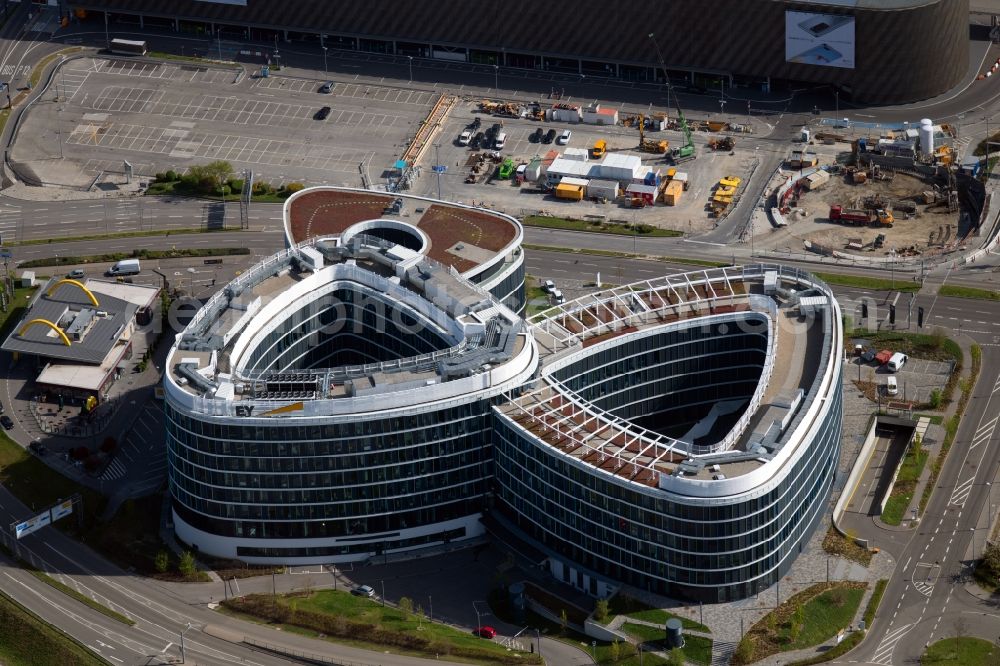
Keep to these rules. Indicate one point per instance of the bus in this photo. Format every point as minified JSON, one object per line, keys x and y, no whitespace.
{"x":128,"y":47}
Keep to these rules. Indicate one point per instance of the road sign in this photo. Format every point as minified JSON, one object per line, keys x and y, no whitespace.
{"x":5,"y":253}
{"x":439,"y":168}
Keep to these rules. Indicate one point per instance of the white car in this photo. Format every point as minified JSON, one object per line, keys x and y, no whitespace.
{"x":564,"y":137}
{"x":548,"y":286}
{"x":465,"y":138}
{"x":891,"y":387}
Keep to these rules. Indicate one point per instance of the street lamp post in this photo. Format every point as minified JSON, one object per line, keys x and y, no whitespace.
{"x":836,"y":96}
{"x":184,"y":631}
{"x":496,"y":77}
{"x":478,"y":623}
{"x":326,"y":70}
{"x":383,"y":592}
{"x":219,"y":34}
{"x":107,"y":37}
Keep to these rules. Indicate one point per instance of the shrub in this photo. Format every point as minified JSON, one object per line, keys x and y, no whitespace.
{"x":186,"y":563}
{"x":160,"y":177}
{"x":291,"y":188}
{"x":162,"y":561}
{"x":236,"y":185}
{"x":935,"y":400}
{"x":262,"y":187}
{"x":601,"y":610}
{"x":406,"y":605}
{"x":109,"y":445}
{"x":171,"y":175}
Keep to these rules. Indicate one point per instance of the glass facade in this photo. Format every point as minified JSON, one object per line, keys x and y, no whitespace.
{"x":715,"y":549}
{"x":333,"y":480}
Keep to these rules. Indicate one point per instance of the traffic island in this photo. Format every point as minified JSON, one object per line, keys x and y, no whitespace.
{"x":960,"y":651}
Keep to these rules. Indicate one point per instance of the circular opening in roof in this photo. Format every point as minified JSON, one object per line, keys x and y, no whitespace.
{"x":392,"y":231}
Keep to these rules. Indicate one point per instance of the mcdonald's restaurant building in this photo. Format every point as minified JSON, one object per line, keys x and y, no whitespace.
{"x":80,"y":336}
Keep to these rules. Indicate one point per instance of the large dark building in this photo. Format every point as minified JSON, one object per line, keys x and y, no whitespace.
{"x":880,"y":51}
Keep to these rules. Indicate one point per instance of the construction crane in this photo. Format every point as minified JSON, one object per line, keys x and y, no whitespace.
{"x":687,"y":151}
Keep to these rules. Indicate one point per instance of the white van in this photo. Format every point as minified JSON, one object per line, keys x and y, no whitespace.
{"x":500,"y":141}
{"x":896,"y":362}
{"x":557,"y":297}
{"x":124,"y":267}
{"x":891,"y":387}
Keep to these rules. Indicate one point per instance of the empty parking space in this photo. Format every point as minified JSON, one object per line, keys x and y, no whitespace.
{"x":229,"y":147}
{"x":358,"y":91}
{"x":233,"y":110}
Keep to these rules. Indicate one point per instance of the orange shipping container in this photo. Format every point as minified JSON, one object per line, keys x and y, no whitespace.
{"x":672,"y":193}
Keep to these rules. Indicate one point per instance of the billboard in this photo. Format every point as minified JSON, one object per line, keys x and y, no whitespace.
{"x":62,"y":510}
{"x":32,"y":524}
{"x":826,"y":40}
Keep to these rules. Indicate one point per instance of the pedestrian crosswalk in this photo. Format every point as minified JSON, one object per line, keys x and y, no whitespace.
{"x":883,"y":653}
{"x":115,"y":470}
{"x":923,"y":587}
{"x":10,"y":220}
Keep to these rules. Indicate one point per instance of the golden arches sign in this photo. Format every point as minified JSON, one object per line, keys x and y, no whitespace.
{"x":90,"y":294}
{"x":48,"y":323}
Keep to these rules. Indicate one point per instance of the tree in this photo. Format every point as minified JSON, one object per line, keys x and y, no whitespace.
{"x":616,"y":652}
{"x":162,"y":561}
{"x":675,"y":657}
{"x":991,"y":559}
{"x":210,"y":177}
{"x":563,"y":620}
{"x":406,"y":605}
{"x":601,"y":610}
{"x":186,"y":563}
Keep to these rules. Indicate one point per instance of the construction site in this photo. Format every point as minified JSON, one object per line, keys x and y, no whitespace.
{"x":883,"y":196}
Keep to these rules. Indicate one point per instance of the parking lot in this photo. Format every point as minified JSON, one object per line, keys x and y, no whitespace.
{"x":916,"y":379}
{"x":689,"y":215}
{"x":162,"y":116}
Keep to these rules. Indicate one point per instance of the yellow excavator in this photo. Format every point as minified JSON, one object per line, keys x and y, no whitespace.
{"x":648,"y":145}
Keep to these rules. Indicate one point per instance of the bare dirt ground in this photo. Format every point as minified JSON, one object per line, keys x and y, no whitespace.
{"x":928,"y":227}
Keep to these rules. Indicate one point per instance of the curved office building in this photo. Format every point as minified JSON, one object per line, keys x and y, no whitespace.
{"x":682,"y":435}
{"x":352,"y":395}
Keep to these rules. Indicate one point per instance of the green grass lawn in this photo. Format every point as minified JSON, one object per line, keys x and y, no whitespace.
{"x":964,"y":651}
{"x":536,"y":300}
{"x":623,"y":229}
{"x":968,"y":292}
{"x":178,"y":188}
{"x":27,"y":640}
{"x":625,"y":605}
{"x":906,"y":483}
{"x":697,"y":649}
{"x":875,"y":284}
{"x":343,"y":617}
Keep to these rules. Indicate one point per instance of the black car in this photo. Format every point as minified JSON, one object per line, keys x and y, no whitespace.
{"x":868,"y":356}
{"x":536,"y":136}
{"x":6,"y":422}
{"x":38,"y":448}
{"x":475,"y":124}
{"x":549,"y":136}
{"x":477,"y":140}
{"x":322,"y":113}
